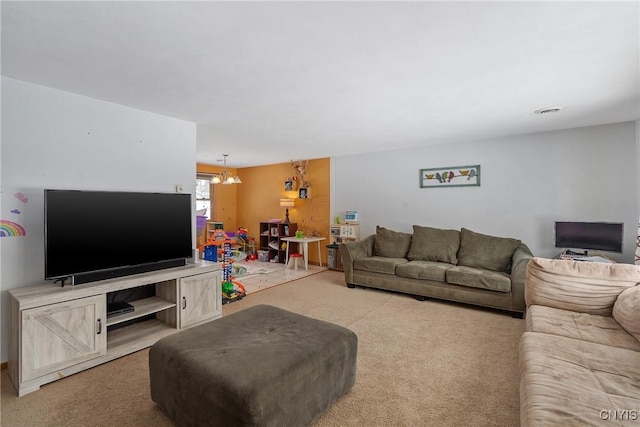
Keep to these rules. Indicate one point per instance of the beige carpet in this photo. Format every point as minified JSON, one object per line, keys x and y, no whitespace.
{"x":419,"y":364}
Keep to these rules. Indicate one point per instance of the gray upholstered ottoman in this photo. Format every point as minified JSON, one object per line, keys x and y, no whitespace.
{"x":262,"y":366}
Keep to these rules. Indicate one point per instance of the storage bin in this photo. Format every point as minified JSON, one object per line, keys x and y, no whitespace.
{"x":263,"y":256}
{"x":211,"y":253}
{"x":201,"y":222}
{"x":351,"y":215}
{"x":334,"y":259}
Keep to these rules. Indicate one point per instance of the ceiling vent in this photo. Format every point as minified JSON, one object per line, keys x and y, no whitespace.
{"x":548,"y":110}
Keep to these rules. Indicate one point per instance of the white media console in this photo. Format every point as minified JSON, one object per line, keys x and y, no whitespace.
{"x":58,"y":331}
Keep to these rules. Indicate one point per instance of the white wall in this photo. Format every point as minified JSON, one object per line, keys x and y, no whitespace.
{"x":637,"y":250}
{"x":55,"y":139}
{"x":527,"y":183}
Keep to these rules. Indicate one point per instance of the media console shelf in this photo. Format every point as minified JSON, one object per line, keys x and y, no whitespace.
{"x":58,"y":331}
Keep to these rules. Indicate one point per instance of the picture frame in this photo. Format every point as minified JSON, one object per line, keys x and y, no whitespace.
{"x":290,"y":185}
{"x":450,"y":176}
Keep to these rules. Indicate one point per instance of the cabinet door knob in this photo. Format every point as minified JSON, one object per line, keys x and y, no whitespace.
{"x":99,"y":326}
{"x":184,"y":303}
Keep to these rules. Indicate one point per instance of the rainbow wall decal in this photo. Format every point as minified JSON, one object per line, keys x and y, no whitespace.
{"x":11,"y":229}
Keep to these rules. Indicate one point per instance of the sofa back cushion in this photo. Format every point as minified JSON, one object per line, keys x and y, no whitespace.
{"x":585,"y":287}
{"x":626,"y":310}
{"x":391,"y":244}
{"x":483,"y":251}
{"x":434,"y":244}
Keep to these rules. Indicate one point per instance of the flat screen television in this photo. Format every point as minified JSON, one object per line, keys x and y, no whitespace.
{"x":94,"y":235}
{"x":603,"y":236}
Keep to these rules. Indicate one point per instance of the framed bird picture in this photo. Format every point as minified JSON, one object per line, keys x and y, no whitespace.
{"x":450,"y":176}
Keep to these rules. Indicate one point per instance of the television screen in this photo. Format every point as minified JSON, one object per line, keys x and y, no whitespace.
{"x":93,"y":231}
{"x":604,"y":236}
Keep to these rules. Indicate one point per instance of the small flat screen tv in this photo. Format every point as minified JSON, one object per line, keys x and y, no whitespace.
{"x":603,"y":236}
{"x":94,"y":235}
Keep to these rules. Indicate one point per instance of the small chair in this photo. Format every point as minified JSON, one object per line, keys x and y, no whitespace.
{"x":293,"y":259}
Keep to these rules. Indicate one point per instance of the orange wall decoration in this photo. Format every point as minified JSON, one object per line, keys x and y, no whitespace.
{"x":257,"y":199}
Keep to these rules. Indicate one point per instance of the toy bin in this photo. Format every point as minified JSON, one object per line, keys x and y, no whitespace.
{"x":211,"y":253}
{"x":201,"y":222}
{"x":351,"y":215}
{"x":263,"y":256}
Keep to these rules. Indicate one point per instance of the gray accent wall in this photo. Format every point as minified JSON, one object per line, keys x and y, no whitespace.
{"x":527,"y":183}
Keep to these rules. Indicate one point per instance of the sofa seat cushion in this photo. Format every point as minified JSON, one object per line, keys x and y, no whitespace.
{"x":434,"y":244}
{"x":586,"y":327}
{"x":429,"y":270}
{"x":479,"y":278}
{"x":483,"y":251}
{"x":378,"y":264}
{"x":568,"y":382}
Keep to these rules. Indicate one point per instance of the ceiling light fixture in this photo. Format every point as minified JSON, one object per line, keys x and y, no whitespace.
{"x":225,"y":177}
{"x":549,"y":110}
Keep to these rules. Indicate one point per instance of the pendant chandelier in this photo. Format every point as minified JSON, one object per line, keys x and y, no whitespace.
{"x":225,"y":177}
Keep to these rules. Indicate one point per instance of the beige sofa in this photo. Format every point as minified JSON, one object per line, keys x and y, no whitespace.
{"x":455,"y":265}
{"x":580,"y":356}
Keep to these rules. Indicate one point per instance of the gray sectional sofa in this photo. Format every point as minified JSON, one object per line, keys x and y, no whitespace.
{"x":462,"y":266}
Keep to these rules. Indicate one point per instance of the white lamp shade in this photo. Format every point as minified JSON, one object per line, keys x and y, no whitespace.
{"x":287,"y":203}
{"x":225,"y":177}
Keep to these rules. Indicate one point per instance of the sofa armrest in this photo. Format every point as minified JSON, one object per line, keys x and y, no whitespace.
{"x":352,"y":251}
{"x":584,"y":287}
{"x":519,"y":261}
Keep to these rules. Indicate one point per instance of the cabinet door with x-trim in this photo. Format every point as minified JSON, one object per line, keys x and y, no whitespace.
{"x":60,"y":335}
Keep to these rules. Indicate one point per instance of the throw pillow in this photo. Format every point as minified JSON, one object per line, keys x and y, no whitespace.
{"x":483,"y":251}
{"x":391,"y":244}
{"x":434,"y":244}
{"x":626,"y":310}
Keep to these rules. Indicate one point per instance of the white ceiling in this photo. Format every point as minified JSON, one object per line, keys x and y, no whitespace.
{"x":268,"y":82}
